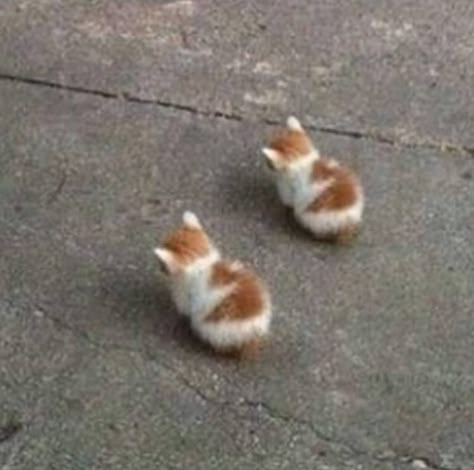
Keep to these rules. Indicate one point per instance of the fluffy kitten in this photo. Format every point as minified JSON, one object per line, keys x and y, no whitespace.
{"x":228,"y":305}
{"x":325,"y":196}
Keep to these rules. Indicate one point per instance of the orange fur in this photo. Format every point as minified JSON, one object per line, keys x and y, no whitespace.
{"x":291,"y":144}
{"x":343,"y":236}
{"x":187,"y":244}
{"x":341,"y":194}
{"x":223,"y":274}
{"x":347,"y":234}
{"x":245,"y":301}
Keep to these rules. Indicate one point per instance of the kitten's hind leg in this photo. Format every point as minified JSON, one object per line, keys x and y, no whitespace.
{"x":347,"y":234}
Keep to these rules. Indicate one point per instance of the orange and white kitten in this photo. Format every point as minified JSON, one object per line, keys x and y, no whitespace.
{"x":228,"y":305}
{"x":325,"y":196}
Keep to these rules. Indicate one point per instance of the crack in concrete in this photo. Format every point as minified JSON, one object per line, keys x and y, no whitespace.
{"x":124,"y":96}
{"x":58,"y":189}
{"x":276,"y":414}
{"x":269,"y":410}
{"x":279,"y":415}
{"x":9,"y":430}
{"x":372,"y":135}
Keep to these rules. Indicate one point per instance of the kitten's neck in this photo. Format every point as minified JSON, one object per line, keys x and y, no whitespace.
{"x":190,"y":288}
{"x":203,"y":264}
{"x":295,"y":186}
{"x":307,"y":160}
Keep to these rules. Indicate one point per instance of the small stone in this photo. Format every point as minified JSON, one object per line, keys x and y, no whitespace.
{"x":38,"y":313}
{"x":387,"y":455}
{"x":418,"y":463}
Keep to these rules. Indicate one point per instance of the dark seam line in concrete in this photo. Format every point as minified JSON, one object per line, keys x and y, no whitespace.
{"x":366,"y":135}
{"x":385,"y":139}
{"x":57,"y":86}
{"x":117,"y":96}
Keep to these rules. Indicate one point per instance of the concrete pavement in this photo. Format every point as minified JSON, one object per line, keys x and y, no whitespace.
{"x":117,"y":116}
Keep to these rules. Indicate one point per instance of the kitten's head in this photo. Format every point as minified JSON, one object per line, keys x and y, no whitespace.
{"x":185,"y":246}
{"x":288,"y":147}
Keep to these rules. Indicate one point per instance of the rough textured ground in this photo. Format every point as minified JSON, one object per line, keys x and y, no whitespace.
{"x":117,"y":116}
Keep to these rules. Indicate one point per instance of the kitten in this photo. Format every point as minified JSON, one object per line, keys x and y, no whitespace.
{"x":228,"y":305}
{"x":325,"y":196}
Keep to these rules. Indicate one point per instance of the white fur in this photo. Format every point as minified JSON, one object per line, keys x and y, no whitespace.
{"x":294,"y":124}
{"x":294,"y":185}
{"x":271,"y":155}
{"x":196,"y":298}
{"x":189,"y":287}
{"x":165,"y":257}
{"x":234,"y":333}
{"x":327,"y":222}
{"x":236,"y":265}
{"x":190,"y":219}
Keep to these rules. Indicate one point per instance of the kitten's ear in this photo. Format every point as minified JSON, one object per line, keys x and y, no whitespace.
{"x":272,"y":157}
{"x":165,"y":258}
{"x":190,"y":219}
{"x":294,"y":124}
{"x":271,"y":154}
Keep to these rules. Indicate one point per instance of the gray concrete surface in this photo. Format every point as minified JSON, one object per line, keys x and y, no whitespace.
{"x":117,"y":116}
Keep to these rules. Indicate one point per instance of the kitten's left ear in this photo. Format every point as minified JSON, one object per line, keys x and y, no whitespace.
{"x":270,"y":153}
{"x":190,"y":219}
{"x":272,"y":157}
{"x":165,"y":258}
{"x":294,"y":124}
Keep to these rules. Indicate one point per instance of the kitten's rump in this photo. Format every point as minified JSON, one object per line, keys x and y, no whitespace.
{"x":343,"y":190}
{"x":337,"y":211}
{"x":242,"y":317}
{"x":245,"y":300}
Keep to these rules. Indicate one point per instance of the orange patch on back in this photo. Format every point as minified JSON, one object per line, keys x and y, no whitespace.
{"x":223,"y":274}
{"x":343,"y":191}
{"x":323,"y":169}
{"x":245,"y":301}
{"x":187,"y":244}
{"x":291,"y":144}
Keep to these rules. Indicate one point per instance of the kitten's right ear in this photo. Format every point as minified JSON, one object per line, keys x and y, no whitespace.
{"x":191,"y":220}
{"x":165,"y":259}
{"x":294,"y":124}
